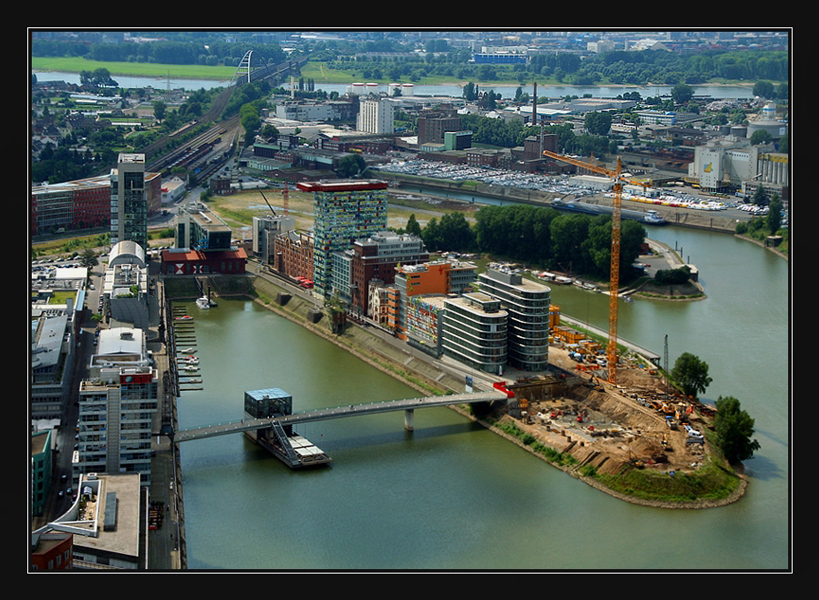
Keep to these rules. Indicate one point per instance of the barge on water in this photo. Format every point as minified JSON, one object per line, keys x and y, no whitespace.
{"x":292,"y":449}
{"x":649,"y":217}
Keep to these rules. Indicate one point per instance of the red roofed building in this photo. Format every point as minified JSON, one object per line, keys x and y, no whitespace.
{"x":186,"y":261}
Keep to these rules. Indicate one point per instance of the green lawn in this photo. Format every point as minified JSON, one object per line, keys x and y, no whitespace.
{"x":133,"y":69}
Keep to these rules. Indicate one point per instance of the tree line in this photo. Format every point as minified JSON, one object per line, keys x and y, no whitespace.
{"x":212,"y":52}
{"x":540,"y":236}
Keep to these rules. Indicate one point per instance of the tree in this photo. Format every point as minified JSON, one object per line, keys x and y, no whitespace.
{"x":598,"y":123}
{"x":774,"y":216}
{"x":350,"y":165}
{"x":691,"y":374}
{"x":760,"y":137}
{"x":682,"y":93}
{"x":734,"y":428}
{"x":159,"y":110}
{"x":88,"y":258}
{"x":413,"y":226}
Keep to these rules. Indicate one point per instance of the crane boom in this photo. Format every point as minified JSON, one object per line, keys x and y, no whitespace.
{"x":268,"y":203}
{"x":614,"y":282}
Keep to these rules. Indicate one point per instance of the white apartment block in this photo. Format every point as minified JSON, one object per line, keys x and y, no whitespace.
{"x":117,"y":405}
{"x":376,"y":115}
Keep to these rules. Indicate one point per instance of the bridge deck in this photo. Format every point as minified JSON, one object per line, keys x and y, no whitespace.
{"x":351,"y":410}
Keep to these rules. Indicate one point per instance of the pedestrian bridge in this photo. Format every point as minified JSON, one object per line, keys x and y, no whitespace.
{"x":351,"y":410}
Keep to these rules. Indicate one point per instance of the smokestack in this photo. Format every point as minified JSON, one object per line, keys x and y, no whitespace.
{"x":534,"y":106}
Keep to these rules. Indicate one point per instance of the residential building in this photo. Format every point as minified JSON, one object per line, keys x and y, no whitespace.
{"x":527,"y":303}
{"x":117,"y":404}
{"x":383,"y":303}
{"x":376,"y":115}
{"x":344,"y":212}
{"x":52,"y":551}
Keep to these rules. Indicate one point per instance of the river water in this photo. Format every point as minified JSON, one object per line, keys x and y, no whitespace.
{"x":550,"y":91}
{"x":452,"y":496}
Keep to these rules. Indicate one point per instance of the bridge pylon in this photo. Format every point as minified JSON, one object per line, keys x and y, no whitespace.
{"x":243,"y":64}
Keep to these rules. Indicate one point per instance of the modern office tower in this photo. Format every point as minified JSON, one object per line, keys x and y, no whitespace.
{"x":474,"y":331}
{"x":129,"y":200}
{"x":527,"y":303}
{"x":117,"y":405}
{"x":344,"y":212}
{"x":376,"y":115}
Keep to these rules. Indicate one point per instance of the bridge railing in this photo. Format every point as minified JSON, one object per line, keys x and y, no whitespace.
{"x":336,"y":412}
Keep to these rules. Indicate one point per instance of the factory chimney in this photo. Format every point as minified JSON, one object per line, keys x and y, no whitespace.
{"x":534,"y":106}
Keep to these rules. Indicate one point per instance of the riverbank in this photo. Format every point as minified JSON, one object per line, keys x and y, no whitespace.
{"x":602,"y":461}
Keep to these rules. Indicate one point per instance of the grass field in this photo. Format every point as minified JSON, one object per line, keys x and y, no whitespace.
{"x":132,"y":69}
{"x":315,"y":70}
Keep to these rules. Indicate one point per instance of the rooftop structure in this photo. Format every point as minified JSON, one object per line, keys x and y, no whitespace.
{"x":105,"y":521}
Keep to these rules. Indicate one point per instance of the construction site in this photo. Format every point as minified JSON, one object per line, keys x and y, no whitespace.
{"x":612,"y":412}
{"x":640,"y":422}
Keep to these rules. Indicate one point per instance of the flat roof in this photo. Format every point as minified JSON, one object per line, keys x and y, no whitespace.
{"x":335,"y":186}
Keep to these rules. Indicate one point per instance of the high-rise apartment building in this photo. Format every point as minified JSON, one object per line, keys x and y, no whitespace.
{"x":117,"y":405}
{"x":129,"y":200}
{"x":376,"y":115}
{"x":344,"y":212}
{"x":527,"y":303}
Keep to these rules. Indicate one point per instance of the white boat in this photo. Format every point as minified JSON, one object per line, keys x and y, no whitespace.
{"x":188,"y":350}
{"x":203,"y":302}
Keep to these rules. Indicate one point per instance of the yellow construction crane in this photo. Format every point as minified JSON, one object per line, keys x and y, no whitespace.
{"x":611,"y":349}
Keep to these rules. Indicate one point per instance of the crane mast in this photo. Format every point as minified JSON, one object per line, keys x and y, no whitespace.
{"x":614,"y":282}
